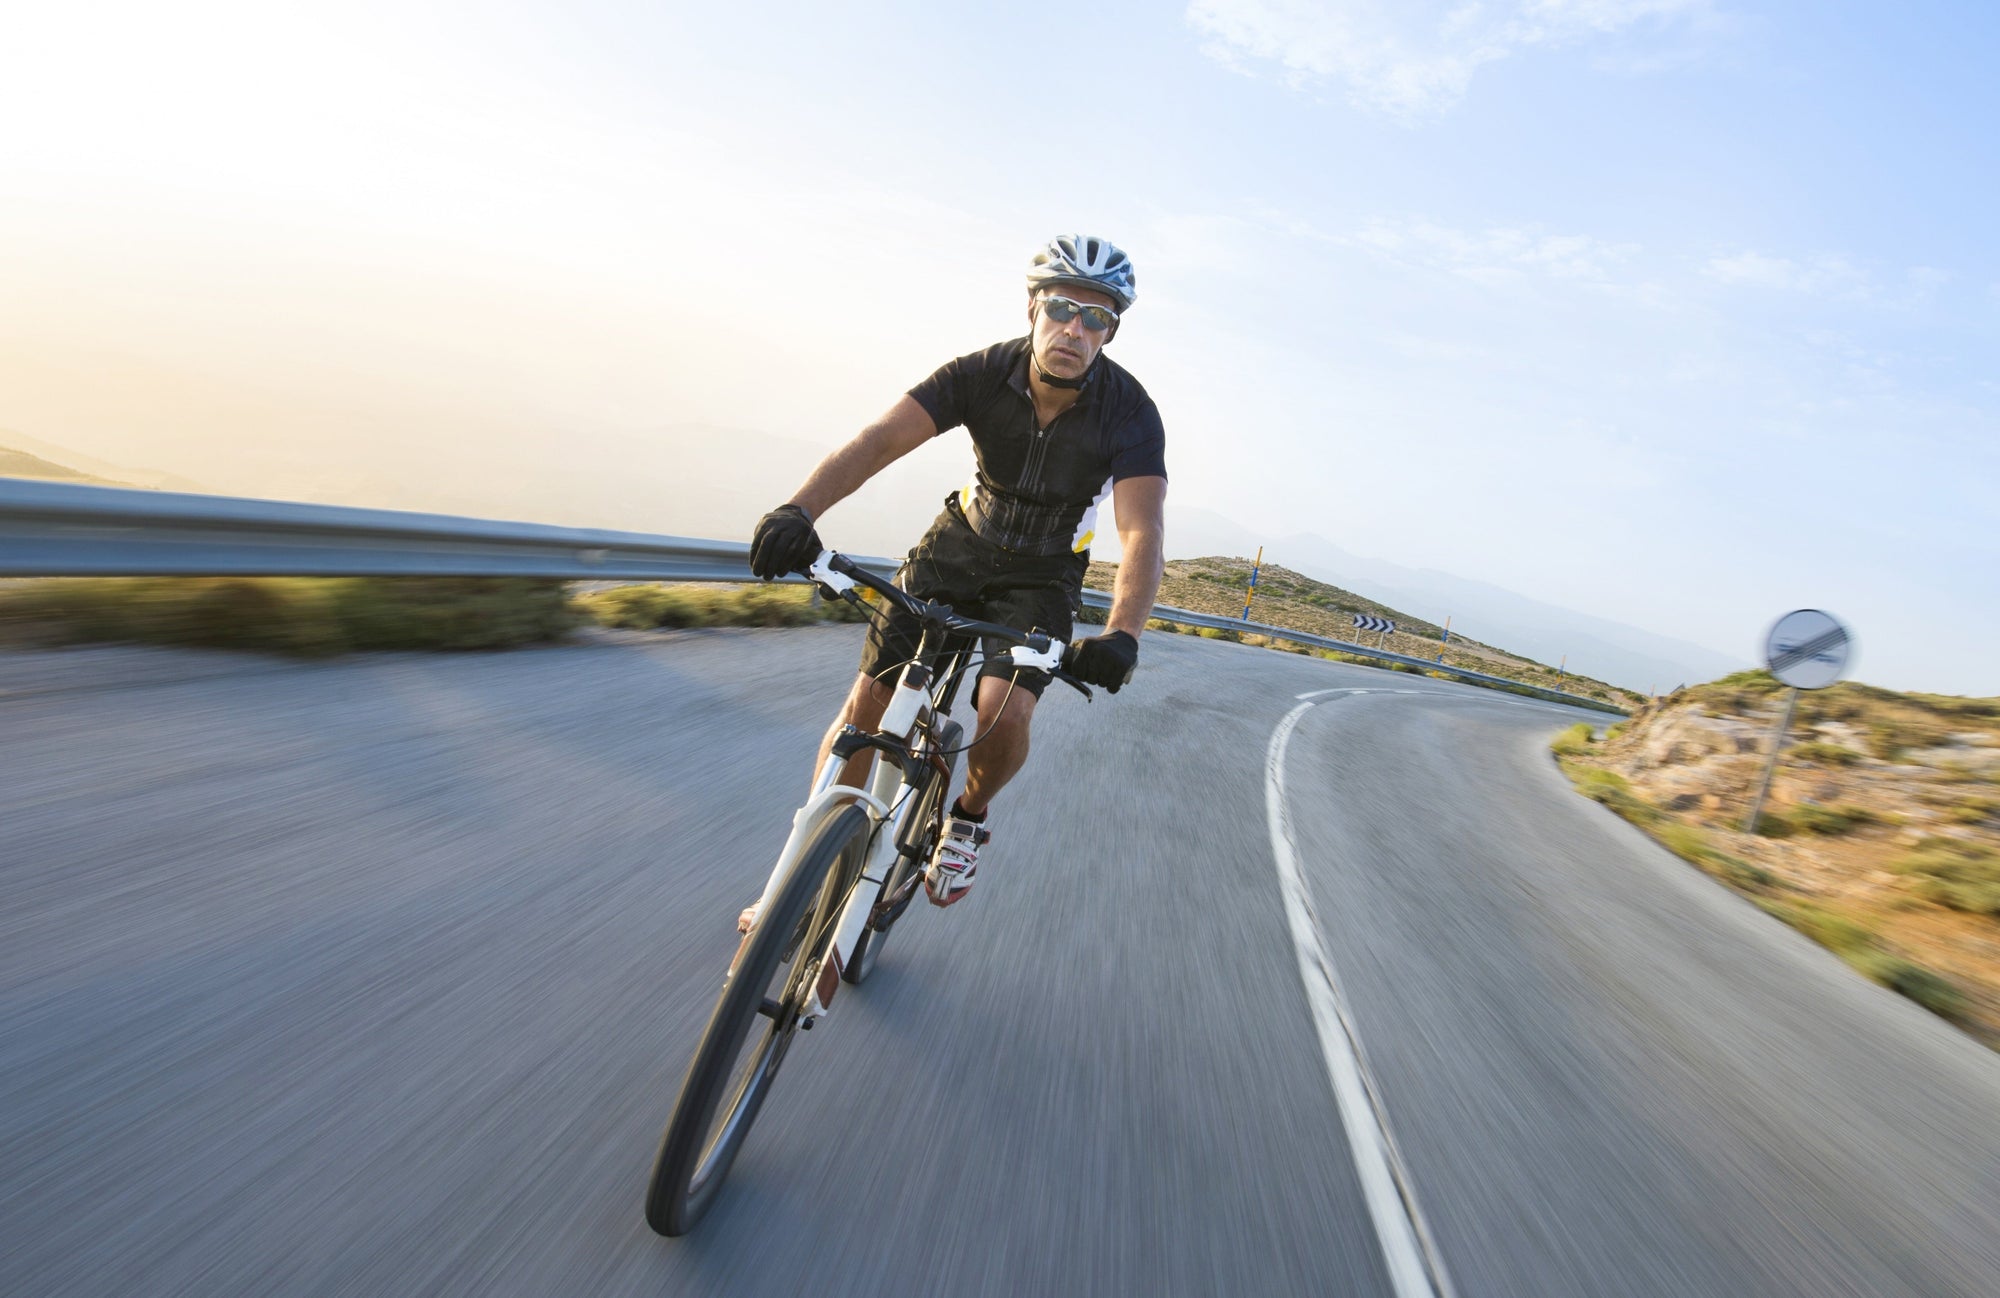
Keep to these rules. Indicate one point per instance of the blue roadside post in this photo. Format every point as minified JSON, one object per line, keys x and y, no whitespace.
{"x":1251,"y":593}
{"x":1447,"y":637}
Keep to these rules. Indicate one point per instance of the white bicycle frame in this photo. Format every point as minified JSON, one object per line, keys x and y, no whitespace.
{"x":885,"y":799}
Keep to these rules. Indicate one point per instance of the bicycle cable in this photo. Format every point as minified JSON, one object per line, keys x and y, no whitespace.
{"x":881,"y":617}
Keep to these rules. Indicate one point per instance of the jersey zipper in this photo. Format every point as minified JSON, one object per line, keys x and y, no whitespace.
{"x":1038,"y":454}
{"x":1038,"y":451}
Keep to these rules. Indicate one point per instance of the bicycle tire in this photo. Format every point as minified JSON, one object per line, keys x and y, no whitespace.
{"x":868,"y":947}
{"x":702,"y":1136}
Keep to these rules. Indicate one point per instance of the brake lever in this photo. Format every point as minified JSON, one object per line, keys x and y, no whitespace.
{"x":1075,"y":684}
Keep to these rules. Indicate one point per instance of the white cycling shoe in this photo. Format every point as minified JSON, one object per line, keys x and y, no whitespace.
{"x":949,"y":876}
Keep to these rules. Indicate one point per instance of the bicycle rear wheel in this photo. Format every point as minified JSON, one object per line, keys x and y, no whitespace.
{"x":752,"y":1026}
{"x":868,"y":947}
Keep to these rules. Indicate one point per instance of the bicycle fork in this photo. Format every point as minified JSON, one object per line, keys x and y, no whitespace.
{"x":881,"y":801}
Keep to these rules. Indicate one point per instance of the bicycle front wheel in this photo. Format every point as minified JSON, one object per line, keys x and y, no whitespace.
{"x":752,"y":1026}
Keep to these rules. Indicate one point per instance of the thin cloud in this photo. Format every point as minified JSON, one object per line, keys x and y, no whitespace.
{"x":1406,"y":58}
{"x":1825,"y":275}
{"x":1495,"y":254}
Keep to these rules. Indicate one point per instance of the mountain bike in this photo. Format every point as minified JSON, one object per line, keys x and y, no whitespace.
{"x":850,"y":868}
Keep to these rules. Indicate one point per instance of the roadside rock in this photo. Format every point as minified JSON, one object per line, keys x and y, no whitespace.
{"x":1678,"y":738}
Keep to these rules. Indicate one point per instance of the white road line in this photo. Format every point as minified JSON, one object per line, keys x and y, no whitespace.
{"x":1440,"y":694}
{"x":1415,"y":1269}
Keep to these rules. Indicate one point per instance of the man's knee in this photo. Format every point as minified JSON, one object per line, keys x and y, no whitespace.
{"x":867,"y":700}
{"x":1004,"y":711}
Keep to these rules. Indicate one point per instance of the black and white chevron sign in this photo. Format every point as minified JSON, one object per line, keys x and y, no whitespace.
{"x":1366,"y":623}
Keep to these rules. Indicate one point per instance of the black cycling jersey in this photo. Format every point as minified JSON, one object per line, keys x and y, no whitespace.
{"x":1038,"y":489}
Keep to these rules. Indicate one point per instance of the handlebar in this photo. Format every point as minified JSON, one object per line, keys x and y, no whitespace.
{"x":838,"y":575}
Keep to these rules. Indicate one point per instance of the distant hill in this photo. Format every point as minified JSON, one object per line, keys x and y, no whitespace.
{"x":1299,"y":603}
{"x":20,"y":464}
{"x":22,"y":456}
{"x":1633,"y":657}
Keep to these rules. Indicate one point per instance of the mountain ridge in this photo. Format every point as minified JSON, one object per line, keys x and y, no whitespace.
{"x":22,"y":456}
{"x":1628,"y":656}
{"x":1216,"y":584}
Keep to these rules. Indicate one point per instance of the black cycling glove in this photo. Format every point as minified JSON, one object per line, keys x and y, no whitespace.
{"x":784,"y":542}
{"x":1105,"y":660}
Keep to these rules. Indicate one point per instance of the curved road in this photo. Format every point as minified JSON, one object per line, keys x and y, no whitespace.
{"x":377,"y":977}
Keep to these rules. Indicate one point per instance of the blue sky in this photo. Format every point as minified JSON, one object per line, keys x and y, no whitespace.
{"x":1681,"y":313}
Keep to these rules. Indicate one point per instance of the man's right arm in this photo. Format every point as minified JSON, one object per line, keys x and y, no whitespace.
{"x":903,"y":429}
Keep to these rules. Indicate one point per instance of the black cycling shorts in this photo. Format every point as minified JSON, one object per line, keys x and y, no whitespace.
{"x":955,"y":565}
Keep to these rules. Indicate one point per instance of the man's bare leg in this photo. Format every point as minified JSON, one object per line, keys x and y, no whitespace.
{"x":1002,"y":746}
{"x":996,"y":755}
{"x":864,"y":707}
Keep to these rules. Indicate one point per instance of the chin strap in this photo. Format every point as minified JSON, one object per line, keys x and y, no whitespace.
{"x":1053,"y":381}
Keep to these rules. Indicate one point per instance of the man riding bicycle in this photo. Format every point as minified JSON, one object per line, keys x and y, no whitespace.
{"x":1056,"y":426}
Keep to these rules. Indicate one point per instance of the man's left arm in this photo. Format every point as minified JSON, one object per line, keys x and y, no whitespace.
{"x":1140,"y":504}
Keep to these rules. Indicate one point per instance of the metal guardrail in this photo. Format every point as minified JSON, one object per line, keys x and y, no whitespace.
{"x":63,"y":529}
{"x":1167,"y":613}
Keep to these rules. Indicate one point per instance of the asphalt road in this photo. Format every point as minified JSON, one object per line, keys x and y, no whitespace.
{"x":378,"y":976}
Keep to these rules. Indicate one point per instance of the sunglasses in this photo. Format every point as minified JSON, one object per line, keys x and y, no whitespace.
{"x":1062,"y":310}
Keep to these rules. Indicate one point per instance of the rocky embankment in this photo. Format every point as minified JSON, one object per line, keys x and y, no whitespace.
{"x":1880,"y":837}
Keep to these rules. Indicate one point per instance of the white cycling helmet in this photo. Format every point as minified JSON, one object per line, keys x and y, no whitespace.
{"x":1087,"y":262}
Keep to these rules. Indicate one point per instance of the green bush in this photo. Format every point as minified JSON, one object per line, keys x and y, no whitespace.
{"x":1615,"y":792}
{"x":1830,"y":821}
{"x":1835,"y":932}
{"x":1574,"y":741}
{"x":1951,"y":705}
{"x":1928,"y":989}
{"x":1755,"y":680}
{"x":1807,"y":818}
{"x":1775,"y":822}
{"x":1954,"y":873}
{"x":292,"y":615}
{"x":1974,"y":811}
{"x":649,"y":607}
{"x":1856,"y":944}
{"x":1690,"y":844}
{"x":453,"y":612}
{"x":1891,"y":736}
